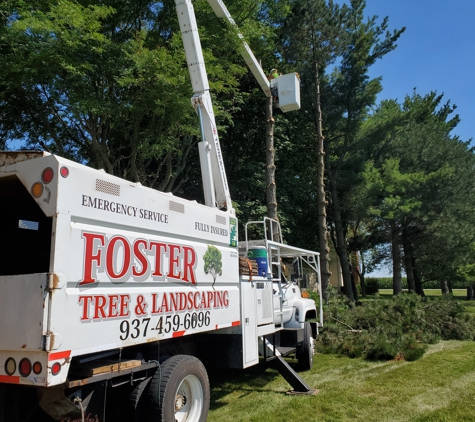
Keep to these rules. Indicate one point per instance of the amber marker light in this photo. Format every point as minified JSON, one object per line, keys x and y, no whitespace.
{"x":10,"y":366}
{"x":47,"y":175}
{"x":37,"y":189}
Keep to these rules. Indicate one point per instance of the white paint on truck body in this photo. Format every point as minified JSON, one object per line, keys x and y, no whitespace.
{"x":127,"y":267}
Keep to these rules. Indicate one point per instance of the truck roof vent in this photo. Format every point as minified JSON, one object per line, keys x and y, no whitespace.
{"x":107,"y":187}
{"x":220,"y":219}
{"x":176,"y":206}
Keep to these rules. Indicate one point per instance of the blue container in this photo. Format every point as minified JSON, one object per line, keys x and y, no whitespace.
{"x":259,"y":254}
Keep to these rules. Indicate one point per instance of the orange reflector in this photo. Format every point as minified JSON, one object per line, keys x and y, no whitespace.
{"x":25,"y":367}
{"x":10,"y":366}
{"x":37,"y":189}
{"x":56,"y":368}
{"x":37,"y":368}
{"x":47,"y":175}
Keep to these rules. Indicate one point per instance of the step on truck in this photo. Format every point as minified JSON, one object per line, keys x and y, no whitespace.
{"x":115,"y":298}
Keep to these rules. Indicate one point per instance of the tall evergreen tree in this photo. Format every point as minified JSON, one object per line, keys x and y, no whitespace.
{"x":424,"y":191}
{"x":329,"y":32}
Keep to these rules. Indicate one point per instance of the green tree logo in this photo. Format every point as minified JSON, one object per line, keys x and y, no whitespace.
{"x":213,"y":262}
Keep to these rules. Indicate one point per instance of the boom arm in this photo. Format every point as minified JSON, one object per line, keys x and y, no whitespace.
{"x":215,"y":183}
{"x":222,"y":12}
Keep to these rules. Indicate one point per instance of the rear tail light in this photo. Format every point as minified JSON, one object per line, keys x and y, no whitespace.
{"x":10,"y":366}
{"x":25,"y":367}
{"x":64,"y":171}
{"x":47,"y":175}
{"x":56,"y":368}
{"x":37,"y":368}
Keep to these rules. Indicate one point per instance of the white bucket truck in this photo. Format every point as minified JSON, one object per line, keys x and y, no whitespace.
{"x":108,"y":287}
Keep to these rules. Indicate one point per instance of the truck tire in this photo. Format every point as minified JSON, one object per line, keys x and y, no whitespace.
{"x":305,"y":349}
{"x":138,"y":399}
{"x":179,"y":391}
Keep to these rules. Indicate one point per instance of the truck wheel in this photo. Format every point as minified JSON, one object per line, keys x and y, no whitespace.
{"x":179,"y":391}
{"x":305,"y":350}
{"x":137,"y":399}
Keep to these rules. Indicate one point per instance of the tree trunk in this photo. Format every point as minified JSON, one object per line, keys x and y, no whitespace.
{"x":444,"y":287}
{"x":470,"y":292}
{"x":271,"y":191}
{"x":341,"y":243}
{"x":363,"y":285}
{"x":271,"y":187}
{"x":406,"y":243}
{"x":397,"y":280}
{"x":361,"y":275}
{"x":322,"y":203}
{"x":417,"y":279}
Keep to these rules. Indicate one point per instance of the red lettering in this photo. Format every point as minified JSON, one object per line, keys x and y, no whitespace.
{"x":155,"y":308}
{"x":173,"y":258}
{"x":226,"y":298}
{"x":189,"y":263}
{"x":86,"y":300}
{"x":210,"y":299}
{"x":113,"y":304}
{"x":140,"y":257}
{"x":204,"y":304}
{"x":190,"y":301}
{"x":111,"y":249}
{"x":196,"y":298}
{"x":218,"y":302}
{"x":102,"y":254}
{"x":89,"y":255}
{"x":124,"y":305}
{"x":182,"y":301}
{"x":173,"y":302}
{"x":164,"y":307}
{"x":99,"y":304}
{"x":158,"y":246}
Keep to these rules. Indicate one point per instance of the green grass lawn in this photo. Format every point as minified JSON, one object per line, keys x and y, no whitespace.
{"x":438,"y":387}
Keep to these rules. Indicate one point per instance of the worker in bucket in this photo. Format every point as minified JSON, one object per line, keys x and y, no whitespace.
{"x":274,"y":74}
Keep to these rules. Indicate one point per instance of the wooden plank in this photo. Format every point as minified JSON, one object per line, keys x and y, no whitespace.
{"x":94,"y":368}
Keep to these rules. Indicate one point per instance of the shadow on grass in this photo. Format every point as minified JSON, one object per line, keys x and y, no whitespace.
{"x":241,"y":381}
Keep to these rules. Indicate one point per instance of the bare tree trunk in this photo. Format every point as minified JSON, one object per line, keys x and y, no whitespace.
{"x":322,"y":203}
{"x":341,"y":244}
{"x":362,"y":276}
{"x":406,"y":243}
{"x":271,"y":189}
{"x":417,"y":279}
{"x":397,"y":280}
{"x":444,"y":288}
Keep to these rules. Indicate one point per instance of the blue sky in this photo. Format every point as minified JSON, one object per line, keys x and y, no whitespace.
{"x":435,"y":53}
